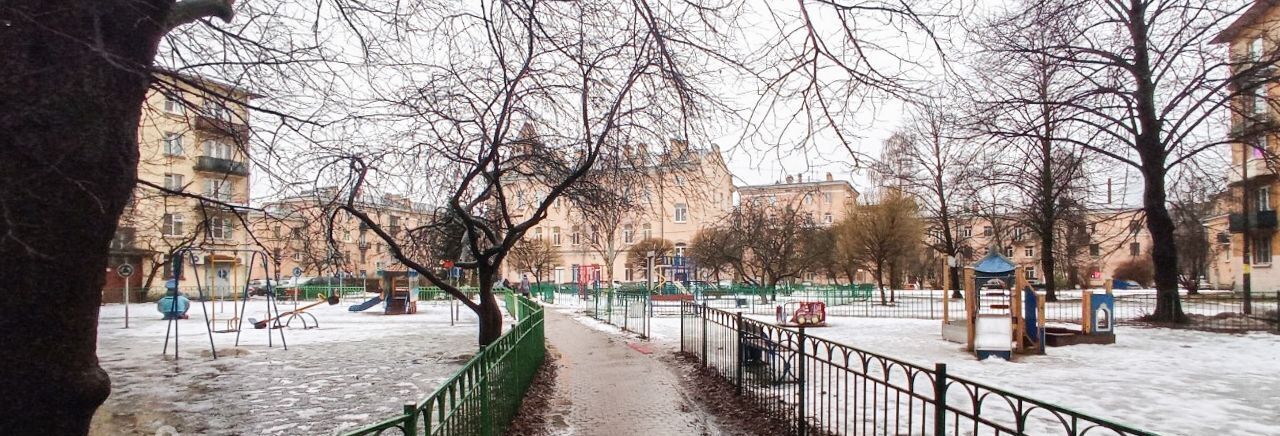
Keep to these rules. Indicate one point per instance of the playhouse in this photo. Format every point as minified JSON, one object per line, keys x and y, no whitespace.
{"x":1002,"y":313}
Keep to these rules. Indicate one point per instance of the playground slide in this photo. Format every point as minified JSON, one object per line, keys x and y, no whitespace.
{"x":365,"y":305}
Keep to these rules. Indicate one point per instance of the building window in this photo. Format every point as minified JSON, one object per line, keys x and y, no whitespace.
{"x":987,"y":231}
{"x":628,"y":234}
{"x":1135,"y":248}
{"x":1017,"y":233}
{"x":1260,"y":100}
{"x":682,"y":212}
{"x":537,"y":234}
{"x":1135,"y":227}
{"x":1255,"y":49}
{"x":1264,"y":199}
{"x":967,"y":231}
{"x":173,"y":144}
{"x":555,"y":236}
{"x":1029,"y":251}
{"x":808,"y":199}
{"x":680,"y":249}
{"x":1095,"y":250}
{"x":773,"y":200}
{"x":173,"y":182}
{"x":173,"y":104}
{"x":628,"y":274}
{"x":827,"y":218}
{"x":221,"y":228}
{"x":217,"y":149}
{"x":217,"y":110}
{"x":275,"y":232}
{"x":172,"y":224}
{"x":679,"y":180}
{"x":646,"y":231}
{"x":1008,"y":251}
{"x":826,"y":196}
{"x":575,"y":238}
{"x":346,"y":236}
{"x":1031,"y":273}
{"x":217,"y":189}
{"x":123,"y":239}
{"x":297,"y":256}
{"x":1262,"y":250}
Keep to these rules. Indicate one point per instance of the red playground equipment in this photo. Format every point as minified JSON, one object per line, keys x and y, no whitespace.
{"x":803,"y":314}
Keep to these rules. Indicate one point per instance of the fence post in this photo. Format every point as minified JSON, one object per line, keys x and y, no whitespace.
{"x":486,"y":415}
{"x":737,"y":359}
{"x":939,"y":399}
{"x":682,"y":310}
{"x":411,"y":424}
{"x":703,"y":310}
{"x":804,"y":421}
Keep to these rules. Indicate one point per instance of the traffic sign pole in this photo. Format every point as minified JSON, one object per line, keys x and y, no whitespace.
{"x":125,"y":270}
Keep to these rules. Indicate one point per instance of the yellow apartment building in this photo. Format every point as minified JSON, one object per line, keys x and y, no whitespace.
{"x":193,"y":139}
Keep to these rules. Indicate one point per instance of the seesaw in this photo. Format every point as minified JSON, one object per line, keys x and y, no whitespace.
{"x":332,"y":299}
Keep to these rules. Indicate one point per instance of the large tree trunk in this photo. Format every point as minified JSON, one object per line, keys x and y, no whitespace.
{"x":70,"y":101}
{"x":1049,"y":265}
{"x":1164,"y":252}
{"x":489,"y":314}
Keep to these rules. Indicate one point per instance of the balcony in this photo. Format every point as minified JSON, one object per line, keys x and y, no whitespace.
{"x":1259,"y":172}
{"x":1260,"y":220}
{"x":222,"y":166}
{"x":227,"y":127}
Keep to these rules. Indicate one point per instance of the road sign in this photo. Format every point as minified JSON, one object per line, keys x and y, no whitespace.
{"x":455,"y":272}
{"x":124,"y":270}
{"x":297,"y":271}
{"x":363,"y":274}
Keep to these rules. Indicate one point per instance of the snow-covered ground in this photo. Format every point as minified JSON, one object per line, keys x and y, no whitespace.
{"x":354,"y":370}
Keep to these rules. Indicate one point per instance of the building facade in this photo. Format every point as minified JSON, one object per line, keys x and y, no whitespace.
{"x":296,"y":234}
{"x":1253,"y":183}
{"x":824,"y":201}
{"x":192,"y":140}
{"x":685,"y":190}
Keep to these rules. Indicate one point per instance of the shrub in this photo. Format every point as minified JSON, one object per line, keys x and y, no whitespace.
{"x":1138,"y":269}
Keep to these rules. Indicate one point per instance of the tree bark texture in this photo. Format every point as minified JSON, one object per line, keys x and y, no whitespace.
{"x":71,"y":90}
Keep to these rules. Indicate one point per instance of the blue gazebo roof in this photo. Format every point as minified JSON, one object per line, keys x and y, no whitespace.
{"x":993,"y":264}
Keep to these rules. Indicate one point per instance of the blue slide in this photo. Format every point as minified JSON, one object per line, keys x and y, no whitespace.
{"x":365,"y":305}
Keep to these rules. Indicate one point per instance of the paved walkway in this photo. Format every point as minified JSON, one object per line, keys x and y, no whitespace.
{"x":605,"y":387}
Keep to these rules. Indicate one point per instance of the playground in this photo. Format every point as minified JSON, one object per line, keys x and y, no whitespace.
{"x":354,"y":368}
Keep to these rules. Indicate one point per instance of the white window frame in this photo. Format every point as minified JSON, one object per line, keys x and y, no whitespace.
{"x":808,"y":198}
{"x":173,"y":105}
{"x":827,"y":218}
{"x":218,"y":189}
{"x":216,"y":110}
{"x":628,"y":234}
{"x":173,"y":181}
{"x":221,"y":228}
{"x":1135,"y":249}
{"x":172,"y":224}
{"x":966,"y":231}
{"x":1255,"y":49}
{"x":173,"y":144}
{"x":826,"y":196}
{"x":647,"y":231}
{"x":575,"y":237}
{"x":218,"y":149}
{"x":1029,"y":251}
{"x":1262,"y":250}
{"x":1030,"y":273}
{"x":1260,"y":100}
{"x":555,"y":236}
{"x":681,"y":214}
{"x":1263,"y":198}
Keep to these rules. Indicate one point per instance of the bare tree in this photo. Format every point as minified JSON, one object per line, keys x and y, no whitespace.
{"x":882,"y":235}
{"x":716,"y":249}
{"x":537,"y":256}
{"x":1195,"y":200}
{"x":1151,"y":85}
{"x":932,"y":159}
{"x":773,"y":243}
{"x":638,"y":254}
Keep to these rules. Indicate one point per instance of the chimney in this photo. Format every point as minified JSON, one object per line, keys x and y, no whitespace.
{"x":791,"y":179}
{"x":829,"y":177}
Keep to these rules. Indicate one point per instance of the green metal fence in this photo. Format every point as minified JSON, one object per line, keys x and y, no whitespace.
{"x":481,"y":398}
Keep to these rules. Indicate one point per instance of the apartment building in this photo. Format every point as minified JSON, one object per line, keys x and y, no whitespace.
{"x":1107,"y":239}
{"x":1253,"y":183}
{"x":684,"y":190}
{"x":295,"y":233}
{"x":192,"y":139}
{"x":825,"y":201}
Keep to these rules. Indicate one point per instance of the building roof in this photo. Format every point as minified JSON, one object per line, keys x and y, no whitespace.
{"x":1248,"y":18}
{"x":793,"y":185}
{"x":993,"y":264}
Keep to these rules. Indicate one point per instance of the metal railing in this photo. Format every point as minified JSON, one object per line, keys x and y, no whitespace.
{"x":823,"y":387}
{"x":483,"y":397}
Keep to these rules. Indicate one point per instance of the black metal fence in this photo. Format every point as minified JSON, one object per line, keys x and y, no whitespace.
{"x":823,"y":387}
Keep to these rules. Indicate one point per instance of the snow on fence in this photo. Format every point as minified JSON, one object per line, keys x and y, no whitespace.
{"x":483,"y":397}
{"x":823,"y":387}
